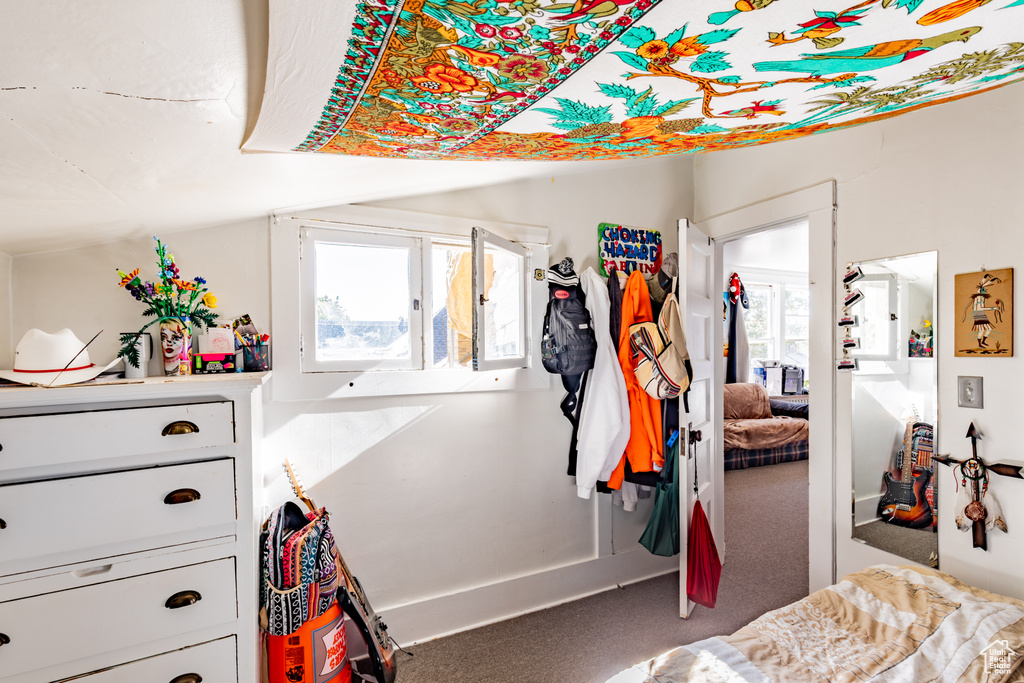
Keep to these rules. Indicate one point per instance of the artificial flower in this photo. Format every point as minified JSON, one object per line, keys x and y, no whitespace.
{"x":129,"y":278}
{"x":171,"y":298}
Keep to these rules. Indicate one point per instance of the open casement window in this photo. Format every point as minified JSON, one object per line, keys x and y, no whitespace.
{"x":499,"y":302}
{"x":878,"y":314}
{"x":374,"y":300}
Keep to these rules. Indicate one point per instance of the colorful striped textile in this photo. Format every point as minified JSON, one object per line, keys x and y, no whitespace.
{"x":741,"y":458}
{"x":300,"y":569}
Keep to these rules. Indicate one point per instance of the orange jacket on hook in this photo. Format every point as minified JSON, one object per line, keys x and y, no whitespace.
{"x":644,"y":448}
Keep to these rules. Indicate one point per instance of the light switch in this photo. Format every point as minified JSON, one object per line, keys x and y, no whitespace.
{"x":969,"y":392}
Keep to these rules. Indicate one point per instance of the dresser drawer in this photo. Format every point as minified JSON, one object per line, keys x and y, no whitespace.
{"x":59,"y":521}
{"x":66,"y":438}
{"x":66,"y":626}
{"x":212,"y":662}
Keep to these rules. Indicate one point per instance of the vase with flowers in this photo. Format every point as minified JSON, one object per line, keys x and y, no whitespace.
{"x":175,"y":305}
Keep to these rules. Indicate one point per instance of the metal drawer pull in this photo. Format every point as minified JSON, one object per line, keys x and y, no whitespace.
{"x":180,"y":427}
{"x":179,"y":496}
{"x":187,"y":678}
{"x":3,"y":524}
{"x":183,"y":599}
{"x":4,"y":639}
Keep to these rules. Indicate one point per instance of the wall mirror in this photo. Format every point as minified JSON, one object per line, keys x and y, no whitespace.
{"x":894,"y":407}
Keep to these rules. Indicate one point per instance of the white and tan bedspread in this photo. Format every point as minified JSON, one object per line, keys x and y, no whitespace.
{"x":884,"y":624}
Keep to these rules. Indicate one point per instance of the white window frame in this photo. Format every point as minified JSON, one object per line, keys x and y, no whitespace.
{"x":772,"y":337}
{"x":481,"y":240}
{"x":779,"y":281}
{"x":292,"y":380}
{"x":892,"y":294}
{"x":309,"y":237}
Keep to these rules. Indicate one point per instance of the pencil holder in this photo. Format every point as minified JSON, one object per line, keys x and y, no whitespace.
{"x":256,"y":358}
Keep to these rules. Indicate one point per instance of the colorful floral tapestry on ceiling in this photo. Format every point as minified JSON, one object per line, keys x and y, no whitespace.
{"x":607,"y":79}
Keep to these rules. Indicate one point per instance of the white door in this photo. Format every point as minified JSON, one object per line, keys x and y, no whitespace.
{"x":700,"y":296}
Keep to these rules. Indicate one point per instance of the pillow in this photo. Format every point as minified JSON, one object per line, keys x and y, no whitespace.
{"x":781,"y":408}
{"x":745,"y":401}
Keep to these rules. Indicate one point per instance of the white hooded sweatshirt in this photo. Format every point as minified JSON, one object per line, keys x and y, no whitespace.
{"x":604,"y":418}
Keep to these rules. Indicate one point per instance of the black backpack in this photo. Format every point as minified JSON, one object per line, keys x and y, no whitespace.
{"x":569,"y":345}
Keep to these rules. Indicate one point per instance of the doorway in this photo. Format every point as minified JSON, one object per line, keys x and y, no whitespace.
{"x":766,"y":319}
{"x":816,"y":205}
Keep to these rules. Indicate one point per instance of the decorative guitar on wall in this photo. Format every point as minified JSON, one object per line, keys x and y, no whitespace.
{"x":904,"y":502}
{"x":355,"y":605}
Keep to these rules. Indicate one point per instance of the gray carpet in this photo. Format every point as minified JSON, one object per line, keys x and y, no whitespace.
{"x":590,"y":640}
{"x":916,"y":545}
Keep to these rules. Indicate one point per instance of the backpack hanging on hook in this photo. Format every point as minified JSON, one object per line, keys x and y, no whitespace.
{"x":568,"y":345}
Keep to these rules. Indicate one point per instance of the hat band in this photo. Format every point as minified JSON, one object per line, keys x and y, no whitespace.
{"x":80,"y":367}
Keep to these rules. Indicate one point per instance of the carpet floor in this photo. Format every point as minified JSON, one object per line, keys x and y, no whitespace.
{"x":590,"y":640}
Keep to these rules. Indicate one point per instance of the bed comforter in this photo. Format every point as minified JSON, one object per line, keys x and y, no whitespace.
{"x":884,"y":624}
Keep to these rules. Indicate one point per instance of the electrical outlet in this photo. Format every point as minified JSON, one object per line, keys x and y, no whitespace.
{"x":969,"y":392}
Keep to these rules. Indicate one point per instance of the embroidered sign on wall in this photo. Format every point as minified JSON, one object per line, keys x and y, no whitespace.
{"x":628,"y":249}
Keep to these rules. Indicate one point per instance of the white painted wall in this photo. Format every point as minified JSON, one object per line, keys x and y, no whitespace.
{"x":78,"y":288}
{"x":454,"y":510}
{"x":6,"y":348}
{"x":946,"y":178}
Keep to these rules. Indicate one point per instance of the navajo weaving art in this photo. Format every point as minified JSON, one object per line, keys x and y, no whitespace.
{"x":607,"y":79}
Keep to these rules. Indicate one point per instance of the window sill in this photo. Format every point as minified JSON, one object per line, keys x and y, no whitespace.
{"x":331,"y":385}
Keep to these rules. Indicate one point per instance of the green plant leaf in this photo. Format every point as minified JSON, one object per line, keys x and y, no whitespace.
{"x":633,"y":59}
{"x":676,"y":35}
{"x":710,"y":62}
{"x":637,"y":36}
{"x":717,"y":36}
{"x":674,"y":107}
{"x":617,"y":90}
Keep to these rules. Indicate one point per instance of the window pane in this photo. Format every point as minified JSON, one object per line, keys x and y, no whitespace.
{"x":874,"y":317}
{"x":503,"y":311}
{"x":758,"y":318}
{"x":760,"y":349}
{"x":363,"y":302}
{"x":452,"y":307}
{"x":796,"y":352}
{"x":798,"y":301}
{"x":797,"y":326}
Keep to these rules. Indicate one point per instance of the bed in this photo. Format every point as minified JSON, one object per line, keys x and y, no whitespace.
{"x":759,"y":431}
{"x":884,"y":624}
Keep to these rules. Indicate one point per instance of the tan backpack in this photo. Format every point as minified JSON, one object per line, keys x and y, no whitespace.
{"x":660,"y":360}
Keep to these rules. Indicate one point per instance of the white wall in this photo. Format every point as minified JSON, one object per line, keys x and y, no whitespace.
{"x":454,"y":510}
{"x":947,"y":178}
{"x":79,"y":289}
{"x":6,"y":348}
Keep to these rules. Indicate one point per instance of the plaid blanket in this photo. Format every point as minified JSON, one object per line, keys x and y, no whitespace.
{"x":741,"y":458}
{"x":884,"y":624}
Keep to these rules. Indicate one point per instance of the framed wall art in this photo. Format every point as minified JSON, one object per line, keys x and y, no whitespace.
{"x":984,"y":313}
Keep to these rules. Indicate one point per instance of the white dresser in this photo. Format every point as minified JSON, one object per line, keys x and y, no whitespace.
{"x":128,"y":531}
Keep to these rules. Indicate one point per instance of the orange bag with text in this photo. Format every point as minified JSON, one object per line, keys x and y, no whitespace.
{"x":315,"y":653}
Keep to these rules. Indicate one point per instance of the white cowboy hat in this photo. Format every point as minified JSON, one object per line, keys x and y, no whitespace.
{"x":41,"y":357}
